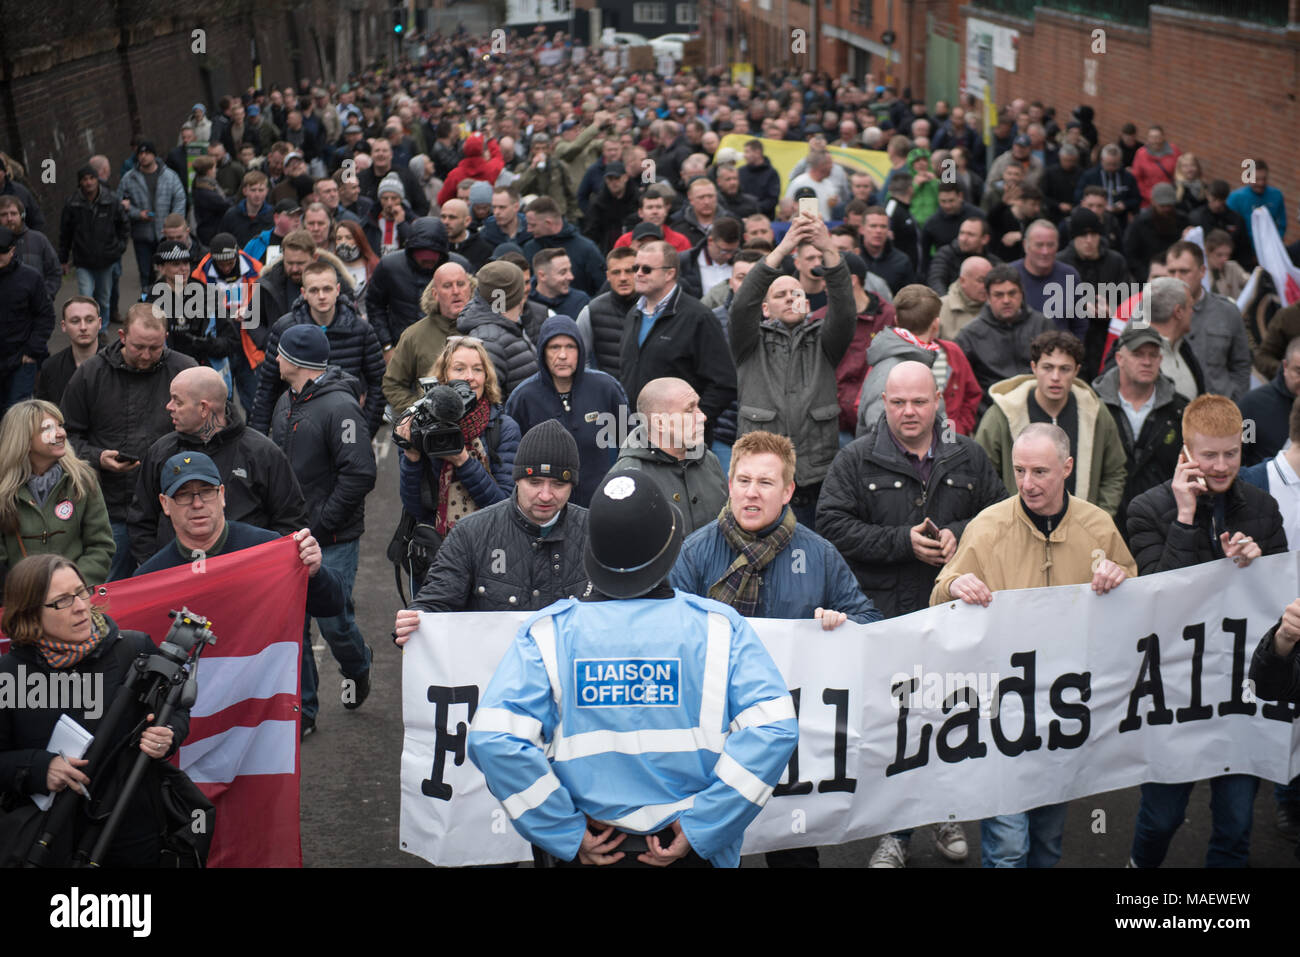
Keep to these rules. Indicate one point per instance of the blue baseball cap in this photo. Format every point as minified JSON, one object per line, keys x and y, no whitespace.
{"x":186,"y":467}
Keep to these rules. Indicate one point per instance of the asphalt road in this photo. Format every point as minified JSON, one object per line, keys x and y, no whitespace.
{"x":350,"y":766}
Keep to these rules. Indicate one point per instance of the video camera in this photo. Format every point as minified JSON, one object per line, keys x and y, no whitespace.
{"x":435,"y":418}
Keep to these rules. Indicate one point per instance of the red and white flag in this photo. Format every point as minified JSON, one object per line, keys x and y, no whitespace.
{"x":242,"y":748}
{"x":1273,"y":257}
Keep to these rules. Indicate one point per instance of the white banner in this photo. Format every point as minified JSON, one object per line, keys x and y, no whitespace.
{"x":1147,"y":683}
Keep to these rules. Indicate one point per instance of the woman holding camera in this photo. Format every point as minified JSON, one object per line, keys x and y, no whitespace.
{"x":57,"y":632}
{"x":50,"y":500}
{"x":441,"y":491}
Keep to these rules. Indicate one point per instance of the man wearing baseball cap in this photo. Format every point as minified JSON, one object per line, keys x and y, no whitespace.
{"x":152,"y":192}
{"x":194,"y":498}
{"x":287,"y":214}
{"x":585,"y":678}
{"x":1148,"y":411}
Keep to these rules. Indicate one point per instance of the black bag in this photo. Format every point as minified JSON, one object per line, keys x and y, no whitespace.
{"x":20,"y":821}
{"x":187,"y":818}
{"x":415,"y":544}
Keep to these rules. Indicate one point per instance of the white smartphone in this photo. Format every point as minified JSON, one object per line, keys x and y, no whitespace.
{"x":1187,"y":457}
{"x":810,"y":206}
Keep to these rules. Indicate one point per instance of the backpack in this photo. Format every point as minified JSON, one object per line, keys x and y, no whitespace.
{"x":414,"y":544}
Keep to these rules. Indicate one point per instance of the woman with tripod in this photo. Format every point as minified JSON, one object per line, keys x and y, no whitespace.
{"x":62,"y":642}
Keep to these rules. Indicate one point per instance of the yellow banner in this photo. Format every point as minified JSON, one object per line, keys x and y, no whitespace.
{"x":784,"y":155}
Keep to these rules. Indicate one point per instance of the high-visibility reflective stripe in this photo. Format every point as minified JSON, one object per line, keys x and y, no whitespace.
{"x":717,"y":659}
{"x":765,"y":712}
{"x":647,"y":741}
{"x":543,"y":632}
{"x":734,"y":774}
{"x":532,"y":796}
{"x":649,"y":818}
{"x":505,"y":721}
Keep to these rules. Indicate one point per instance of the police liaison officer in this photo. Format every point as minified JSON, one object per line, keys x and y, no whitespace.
{"x":639,"y":726}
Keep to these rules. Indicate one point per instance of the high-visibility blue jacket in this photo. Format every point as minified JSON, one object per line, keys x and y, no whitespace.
{"x":635,"y":713}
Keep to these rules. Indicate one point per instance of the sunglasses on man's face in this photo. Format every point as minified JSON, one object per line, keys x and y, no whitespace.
{"x":646,"y":270}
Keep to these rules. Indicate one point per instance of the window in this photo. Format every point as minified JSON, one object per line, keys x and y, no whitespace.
{"x":650,"y":12}
{"x":688,"y":13}
{"x":860,"y":12}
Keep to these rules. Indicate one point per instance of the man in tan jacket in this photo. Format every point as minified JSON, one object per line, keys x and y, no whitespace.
{"x":1040,"y":538}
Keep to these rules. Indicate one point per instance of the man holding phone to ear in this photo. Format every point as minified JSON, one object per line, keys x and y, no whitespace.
{"x":1200,"y":515}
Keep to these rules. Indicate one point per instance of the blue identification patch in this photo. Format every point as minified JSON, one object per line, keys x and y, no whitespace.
{"x":627,"y":682}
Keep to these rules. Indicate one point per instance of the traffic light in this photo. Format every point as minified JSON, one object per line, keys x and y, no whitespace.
{"x":399,"y":25}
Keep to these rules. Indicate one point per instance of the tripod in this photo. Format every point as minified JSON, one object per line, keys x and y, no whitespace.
{"x":169,"y":676}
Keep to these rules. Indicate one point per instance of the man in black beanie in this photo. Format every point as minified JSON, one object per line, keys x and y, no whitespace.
{"x":518,"y":555}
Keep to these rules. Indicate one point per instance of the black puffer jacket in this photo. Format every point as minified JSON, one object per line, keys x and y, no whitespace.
{"x":26,"y":315}
{"x":109,"y":405}
{"x":322,"y":433}
{"x":1159,"y":542}
{"x":513,"y":354}
{"x":274,"y":296}
{"x":1276,"y":678}
{"x":394,"y":290}
{"x":261,"y":488}
{"x":354,"y":349}
{"x":537,"y":569}
{"x":1150,"y":457}
{"x":606,"y":317}
{"x":872,"y":497}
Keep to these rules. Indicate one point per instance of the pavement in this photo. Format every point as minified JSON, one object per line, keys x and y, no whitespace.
{"x":350,"y":792}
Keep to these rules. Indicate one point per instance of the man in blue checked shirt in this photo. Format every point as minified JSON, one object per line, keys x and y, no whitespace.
{"x":666,"y":722}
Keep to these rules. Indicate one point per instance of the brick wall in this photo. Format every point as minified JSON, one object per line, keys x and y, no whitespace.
{"x":1223,"y":90}
{"x":63,"y":79}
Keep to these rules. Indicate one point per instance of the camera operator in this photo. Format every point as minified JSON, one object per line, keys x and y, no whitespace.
{"x":193,"y":497}
{"x":441,"y":490}
{"x":208,"y":340}
{"x":55,"y":630}
{"x":518,"y":555}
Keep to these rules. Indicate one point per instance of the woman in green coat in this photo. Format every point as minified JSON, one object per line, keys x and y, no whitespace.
{"x":50,"y":500}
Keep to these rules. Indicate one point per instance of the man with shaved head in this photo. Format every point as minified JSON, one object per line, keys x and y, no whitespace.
{"x":456,"y":217}
{"x":1042,"y":537}
{"x":965,"y":298}
{"x":669,"y":445}
{"x":892,"y":507}
{"x":786,"y":360}
{"x":261,"y":489}
{"x":422,"y":342}
{"x":113,"y":411}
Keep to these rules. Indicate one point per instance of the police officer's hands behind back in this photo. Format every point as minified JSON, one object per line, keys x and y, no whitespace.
{"x":660,"y":856}
{"x":597,"y":849}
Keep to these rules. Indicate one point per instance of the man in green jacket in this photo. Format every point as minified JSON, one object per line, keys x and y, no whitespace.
{"x":1053,"y":394}
{"x":422,"y":342}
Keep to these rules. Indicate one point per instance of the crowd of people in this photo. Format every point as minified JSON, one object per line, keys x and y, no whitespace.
{"x":563,"y":268}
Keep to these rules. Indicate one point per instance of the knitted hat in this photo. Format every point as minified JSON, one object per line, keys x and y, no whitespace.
{"x":1084,"y":221}
{"x":305,"y":346}
{"x":392,"y":183}
{"x":504,"y":276}
{"x":1163,"y":194}
{"x":224,"y":247}
{"x":547,"y":451}
{"x":480,"y":194}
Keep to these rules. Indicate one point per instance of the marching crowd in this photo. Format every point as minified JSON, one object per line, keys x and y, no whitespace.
{"x":869,"y":375}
